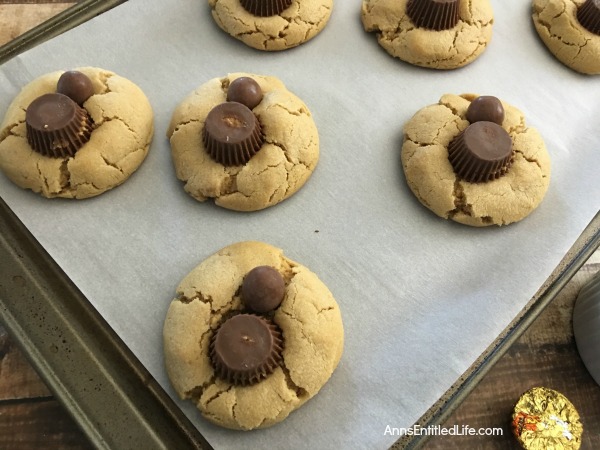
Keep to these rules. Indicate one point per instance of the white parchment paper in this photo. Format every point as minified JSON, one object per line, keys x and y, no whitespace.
{"x":421,"y":297}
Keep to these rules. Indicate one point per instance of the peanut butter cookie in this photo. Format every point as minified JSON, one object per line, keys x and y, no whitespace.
{"x":211,"y":298}
{"x":427,"y":45}
{"x":509,"y":196}
{"x":122,"y":125}
{"x":557,"y":24}
{"x":283,"y":163}
{"x":299,"y":22}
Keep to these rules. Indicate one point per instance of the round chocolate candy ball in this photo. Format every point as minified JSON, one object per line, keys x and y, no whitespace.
{"x":486,"y":108}
{"x":263,"y":289}
{"x":246,"y":91}
{"x":75,"y":85}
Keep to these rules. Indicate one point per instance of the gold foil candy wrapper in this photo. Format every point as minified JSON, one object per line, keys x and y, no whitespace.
{"x":545,"y":419}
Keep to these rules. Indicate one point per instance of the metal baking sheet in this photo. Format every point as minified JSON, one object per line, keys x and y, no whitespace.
{"x":386,"y":259}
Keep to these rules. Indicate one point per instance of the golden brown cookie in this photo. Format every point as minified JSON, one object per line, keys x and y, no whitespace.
{"x":308,"y":317}
{"x":444,"y":49}
{"x":123,"y":125}
{"x":432,"y":179}
{"x":283,"y":164}
{"x":572,"y":44}
{"x":296,"y":24}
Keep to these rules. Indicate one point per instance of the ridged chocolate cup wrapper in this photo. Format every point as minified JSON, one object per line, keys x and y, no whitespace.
{"x":544,"y":418}
{"x":57,"y":126}
{"x":588,"y":16}
{"x":434,"y":14}
{"x":232,"y":134}
{"x":481,"y":152}
{"x":245,"y":349}
{"x":265,"y":8}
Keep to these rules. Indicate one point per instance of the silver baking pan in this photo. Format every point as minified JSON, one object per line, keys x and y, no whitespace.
{"x":102,"y":384}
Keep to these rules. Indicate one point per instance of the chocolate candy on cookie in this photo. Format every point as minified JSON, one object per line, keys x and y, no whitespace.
{"x":486,"y":108}
{"x":245,"y":90}
{"x":232,"y":134}
{"x":588,"y":16}
{"x":433,"y":14}
{"x":76,"y":85}
{"x":56,"y":126}
{"x":263,"y":289}
{"x":482,"y":152}
{"x":265,"y":8}
{"x":245,"y":349}
{"x":544,"y":418}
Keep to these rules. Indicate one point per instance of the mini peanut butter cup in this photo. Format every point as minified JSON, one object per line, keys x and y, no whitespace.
{"x":588,"y":16}
{"x":482,"y":152}
{"x":232,"y":134}
{"x":263,"y":289}
{"x":265,"y":8}
{"x":56,"y":126}
{"x":245,"y":349}
{"x":433,"y":14}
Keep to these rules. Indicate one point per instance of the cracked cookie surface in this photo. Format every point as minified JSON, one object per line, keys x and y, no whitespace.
{"x":298,"y":23}
{"x":431,"y":177}
{"x":122,"y":131}
{"x":557,"y":25}
{"x":283,"y":164}
{"x":446,"y":49}
{"x":309,"y":318}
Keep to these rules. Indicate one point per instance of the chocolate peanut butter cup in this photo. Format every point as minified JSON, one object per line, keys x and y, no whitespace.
{"x":263,"y":289}
{"x":75,"y":85}
{"x":56,"y":126}
{"x":265,"y":8}
{"x":486,"y":108}
{"x":482,"y":152}
{"x":245,"y":349}
{"x":433,"y":14}
{"x":588,"y":16}
{"x":246,"y":91}
{"x":232,"y":134}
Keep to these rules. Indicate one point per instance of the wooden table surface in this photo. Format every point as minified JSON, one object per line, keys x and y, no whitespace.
{"x":545,"y":355}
